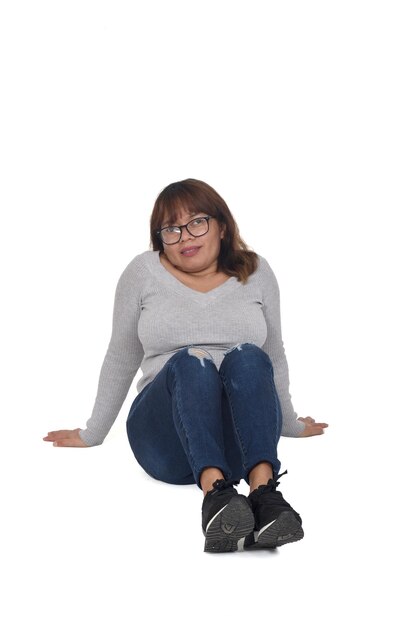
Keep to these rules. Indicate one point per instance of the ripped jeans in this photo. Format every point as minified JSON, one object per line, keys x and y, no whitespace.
{"x":192,"y":416}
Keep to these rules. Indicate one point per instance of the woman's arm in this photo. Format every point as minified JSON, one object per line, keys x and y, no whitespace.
{"x":121,"y":362}
{"x":274,"y":347}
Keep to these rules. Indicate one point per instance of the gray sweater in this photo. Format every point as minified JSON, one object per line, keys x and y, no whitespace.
{"x":155,"y":315}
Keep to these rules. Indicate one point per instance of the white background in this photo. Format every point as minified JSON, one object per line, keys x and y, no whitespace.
{"x":302,"y":115}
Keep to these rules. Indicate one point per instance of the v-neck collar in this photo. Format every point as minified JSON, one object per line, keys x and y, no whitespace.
{"x":199,"y":296}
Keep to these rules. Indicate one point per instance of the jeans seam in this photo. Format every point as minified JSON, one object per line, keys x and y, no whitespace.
{"x":242,"y":447}
{"x":181,"y":423}
{"x":277,"y":403}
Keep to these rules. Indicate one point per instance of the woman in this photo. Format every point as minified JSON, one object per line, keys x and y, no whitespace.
{"x":200,"y":315}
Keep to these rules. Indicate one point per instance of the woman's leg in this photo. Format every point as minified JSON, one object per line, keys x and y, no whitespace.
{"x":248,"y":379}
{"x":153,"y":437}
{"x":175,"y":424}
{"x":247,"y":375}
{"x":175,"y":428}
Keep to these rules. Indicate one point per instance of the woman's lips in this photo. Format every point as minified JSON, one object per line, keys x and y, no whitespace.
{"x":190,"y":251}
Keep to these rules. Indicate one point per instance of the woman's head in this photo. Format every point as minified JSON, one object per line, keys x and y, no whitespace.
{"x":179,"y":202}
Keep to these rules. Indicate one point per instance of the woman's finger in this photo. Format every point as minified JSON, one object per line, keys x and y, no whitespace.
{"x":58,"y":434}
{"x":307,"y":420}
{"x":68,"y":443}
{"x":317,"y":430}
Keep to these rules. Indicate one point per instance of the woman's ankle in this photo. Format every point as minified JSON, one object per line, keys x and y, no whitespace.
{"x":259,"y":475}
{"x":208,"y":476}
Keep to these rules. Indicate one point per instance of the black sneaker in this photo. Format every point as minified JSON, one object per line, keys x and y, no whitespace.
{"x":276,"y":522}
{"x":227,"y":517}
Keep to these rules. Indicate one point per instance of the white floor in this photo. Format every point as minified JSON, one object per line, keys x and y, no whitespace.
{"x":89,"y":538}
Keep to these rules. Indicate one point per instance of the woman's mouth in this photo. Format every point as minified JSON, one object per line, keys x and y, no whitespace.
{"x":191,"y":251}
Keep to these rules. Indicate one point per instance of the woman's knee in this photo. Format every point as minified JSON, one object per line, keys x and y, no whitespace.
{"x":194,"y":352}
{"x":247,"y":352}
{"x":192,"y":361}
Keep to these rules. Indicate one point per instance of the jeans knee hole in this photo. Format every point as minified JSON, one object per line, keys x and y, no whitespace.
{"x":200,"y":354}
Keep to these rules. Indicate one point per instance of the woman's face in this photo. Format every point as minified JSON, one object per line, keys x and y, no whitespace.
{"x":203,"y":251}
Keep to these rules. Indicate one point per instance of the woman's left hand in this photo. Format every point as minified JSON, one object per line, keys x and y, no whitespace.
{"x":312,"y":427}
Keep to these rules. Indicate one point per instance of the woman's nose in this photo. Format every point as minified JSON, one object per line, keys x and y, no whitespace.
{"x":185,"y":235}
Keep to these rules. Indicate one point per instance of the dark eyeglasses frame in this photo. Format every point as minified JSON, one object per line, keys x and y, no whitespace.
{"x":181,"y":226}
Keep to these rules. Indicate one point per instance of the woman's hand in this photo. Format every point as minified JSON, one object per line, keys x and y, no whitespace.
{"x":66,"y":438}
{"x":312,"y":427}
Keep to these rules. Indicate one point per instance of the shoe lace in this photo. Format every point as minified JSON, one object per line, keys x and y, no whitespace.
{"x":271,"y":485}
{"x":220,"y":484}
{"x":276,"y":480}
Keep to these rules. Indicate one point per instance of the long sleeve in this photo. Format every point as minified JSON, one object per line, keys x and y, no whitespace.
{"x":274,"y":347}
{"x":123,"y":357}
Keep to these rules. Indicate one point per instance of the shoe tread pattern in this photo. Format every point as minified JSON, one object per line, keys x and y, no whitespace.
{"x":234,"y":522}
{"x":285,"y":529}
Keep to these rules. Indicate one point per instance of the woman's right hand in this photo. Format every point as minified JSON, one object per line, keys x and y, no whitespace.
{"x":66,"y":438}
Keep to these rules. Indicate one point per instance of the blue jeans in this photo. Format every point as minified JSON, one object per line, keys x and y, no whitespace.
{"x":192,"y":416}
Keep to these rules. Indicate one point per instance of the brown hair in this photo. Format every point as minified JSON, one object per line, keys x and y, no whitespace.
{"x":195,"y":196}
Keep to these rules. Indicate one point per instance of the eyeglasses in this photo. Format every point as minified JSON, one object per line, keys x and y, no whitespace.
{"x":197,"y":227}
